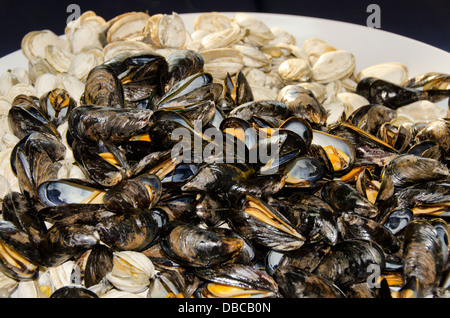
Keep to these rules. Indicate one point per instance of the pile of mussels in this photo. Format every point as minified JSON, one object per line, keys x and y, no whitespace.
{"x":352,"y":209}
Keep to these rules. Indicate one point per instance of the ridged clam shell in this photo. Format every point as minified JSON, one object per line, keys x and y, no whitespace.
{"x":393,"y":72}
{"x":127,"y":26}
{"x":34,"y":43}
{"x":131,"y":272}
{"x":333,"y":65}
{"x":166,"y":30}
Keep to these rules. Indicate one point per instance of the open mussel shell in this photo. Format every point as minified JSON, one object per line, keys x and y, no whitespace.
{"x":240,"y":129}
{"x":398,"y":137}
{"x":171,"y":284}
{"x":350,"y":262}
{"x":108,"y":168}
{"x":185,"y":87}
{"x":95,"y":263}
{"x":51,"y":144}
{"x":232,"y":280}
{"x":33,"y":165}
{"x":428,"y":149}
{"x":304,"y":172}
{"x":237,"y":91}
{"x":339,"y":151}
{"x":24,"y":120}
{"x":169,"y":128}
{"x":193,"y":246}
{"x":56,"y":105}
{"x":310,"y":216}
{"x":66,"y":191}
{"x":427,"y":198}
{"x":264,"y":225}
{"x":182,"y":64}
{"x":299,"y":126}
{"x":342,"y":197}
{"x":438,"y":131}
{"x":295,"y":282}
{"x":302,"y":103}
{"x":19,"y":256}
{"x":140,"y":192}
{"x":202,"y":111}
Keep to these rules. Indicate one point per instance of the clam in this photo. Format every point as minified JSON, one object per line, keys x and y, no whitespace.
{"x":394,"y":72}
{"x":222,"y":38}
{"x":131,"y":272}
{"x":58,"y":58}
{"x":34,"y":43}
{"x":212,"y":21}
{"x":127,"y":26}
{"x":295,"y":70}
{"x":166,"y":30}
{"x":333,"y":65}
{"x":258,"y":32}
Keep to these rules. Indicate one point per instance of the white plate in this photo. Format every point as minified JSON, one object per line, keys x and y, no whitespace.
{"x":370,"y":46}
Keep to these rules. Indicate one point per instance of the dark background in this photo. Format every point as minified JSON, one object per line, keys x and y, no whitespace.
{"x":426,"y":21}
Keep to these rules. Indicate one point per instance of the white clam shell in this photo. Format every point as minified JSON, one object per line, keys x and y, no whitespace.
{"x":333,"y":65}
{"x":71,"y":84}
{"x":295,"y":69}
{"x":212,"y":22}
{"x":352,"y":101}
{"x":258,"y":34}
{"x":315,"y":47}
{"x":421,"y":111}
{"x":223,"y":38}
{"x":19,"y":89}
{"x":127,"y":26}
{"x":82,"y":64}
{"x":34,"y":43}
{"x":131,"y":272}
{"x":118,"y":47}
{"x":84,"y":37}
{"x":45,"y":83}
{"x":58,"y":58}
{"x":60,"y":275}
{"x":4,"y":106}
{"x":7,"y":285}
{"x":393,"y":72}
{"x":166,"y":30}
{"x":252,"y":56}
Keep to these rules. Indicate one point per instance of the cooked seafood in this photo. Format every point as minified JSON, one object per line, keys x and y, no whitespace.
{"x":141,"y":160}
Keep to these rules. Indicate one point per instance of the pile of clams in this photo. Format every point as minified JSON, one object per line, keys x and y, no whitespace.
{"x":100,"y":200}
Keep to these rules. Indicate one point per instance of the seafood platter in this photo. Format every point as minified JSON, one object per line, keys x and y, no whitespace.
{"x":219,"y":155}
